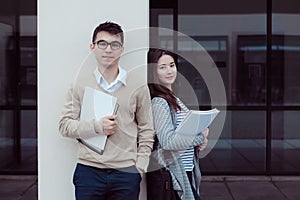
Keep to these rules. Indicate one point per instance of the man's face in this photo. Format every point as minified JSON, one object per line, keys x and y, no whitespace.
{"x":108,"y":56}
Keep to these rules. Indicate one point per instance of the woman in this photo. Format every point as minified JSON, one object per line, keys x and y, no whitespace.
{"x":177,"y":154}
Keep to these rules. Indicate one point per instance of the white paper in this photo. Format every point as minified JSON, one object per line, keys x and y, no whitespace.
{"x":96,"y":105}
{"x":196,"y":121}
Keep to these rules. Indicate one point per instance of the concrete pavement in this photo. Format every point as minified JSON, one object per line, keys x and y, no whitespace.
{"x":212,"y":188}
{"x":250,"y":188}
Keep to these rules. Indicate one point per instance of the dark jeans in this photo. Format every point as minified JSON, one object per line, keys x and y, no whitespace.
{"x":196,"y":196}
{"x":100,"y":184}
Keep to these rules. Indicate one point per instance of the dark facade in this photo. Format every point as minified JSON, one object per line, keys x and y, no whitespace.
{"x":18,"y":87}
{"x":254,"y":44}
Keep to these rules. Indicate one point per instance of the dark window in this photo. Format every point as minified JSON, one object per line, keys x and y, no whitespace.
{"x":256,"y":48}
{"x":18,"y":87}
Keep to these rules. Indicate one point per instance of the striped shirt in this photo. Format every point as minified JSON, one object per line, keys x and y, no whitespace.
{"x":187,"y":155}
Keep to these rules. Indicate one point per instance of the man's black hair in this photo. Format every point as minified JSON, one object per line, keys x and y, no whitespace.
{"x":110,"y":27}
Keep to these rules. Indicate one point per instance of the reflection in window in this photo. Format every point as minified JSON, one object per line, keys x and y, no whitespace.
{"x":7,"y":78}
{"x":18,"y":94}
{"x":241,"y":146}
{"x":215,"y":46}
{"x":285,"y":87}
{"x":28,"y":141}
{"x":285,"y":70}
{"x":285,"y":141}
{"x":7,"y":148}
{"x":251,"y":70}
{"x":235,"y":36}
{"x":28,"y":83}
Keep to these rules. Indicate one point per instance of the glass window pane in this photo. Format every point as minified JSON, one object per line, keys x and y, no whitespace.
{"x":235,"y":38}
{"x":18,"y":64}
{"x":190,"y":86}
{"x":241,"y":146}
{"x":162,"y":18}
{"x":18,"y":88}
{"x":28,"y":141}
{"x":7,"y":62}
{"x":285,"y":141}
{"x":251,"y":72}
{"x":286,"y":53}
{"x":7,"y":140}
{"x":18,"y":152}
{"x":28,"y":60}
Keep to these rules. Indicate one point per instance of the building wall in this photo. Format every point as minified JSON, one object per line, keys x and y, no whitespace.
{"x":65,"y":29}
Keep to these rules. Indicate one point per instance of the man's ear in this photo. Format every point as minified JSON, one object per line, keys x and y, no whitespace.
{"x":92,"y":46}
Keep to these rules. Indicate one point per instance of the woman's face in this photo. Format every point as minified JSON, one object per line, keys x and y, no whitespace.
{"x":166,"y":71}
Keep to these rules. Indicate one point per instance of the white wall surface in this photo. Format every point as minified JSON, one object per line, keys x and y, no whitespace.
{"x":64,"y":34}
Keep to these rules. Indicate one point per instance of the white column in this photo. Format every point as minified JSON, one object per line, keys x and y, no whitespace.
{"x":64,"y":34}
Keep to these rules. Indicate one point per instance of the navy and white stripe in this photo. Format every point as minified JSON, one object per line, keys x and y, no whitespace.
{"x":186,"y":155}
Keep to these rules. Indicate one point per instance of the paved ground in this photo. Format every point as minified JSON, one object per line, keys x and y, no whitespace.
{"x":212,"y":188}
{"x":250,"y":188}
{"x":18,"y":188}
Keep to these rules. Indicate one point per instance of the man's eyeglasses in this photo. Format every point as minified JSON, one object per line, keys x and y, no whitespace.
{"x":102,"y":44}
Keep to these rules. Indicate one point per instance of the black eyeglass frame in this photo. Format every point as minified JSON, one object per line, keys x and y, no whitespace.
{"x":108,"y":43}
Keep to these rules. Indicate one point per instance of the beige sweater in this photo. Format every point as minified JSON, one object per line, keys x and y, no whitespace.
{"x":133,"y":140}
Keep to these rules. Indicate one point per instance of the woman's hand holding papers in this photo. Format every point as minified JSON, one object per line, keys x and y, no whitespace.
{"x":204,"y":144}
{"x":205,"y":132}
{"x":109,"y":124}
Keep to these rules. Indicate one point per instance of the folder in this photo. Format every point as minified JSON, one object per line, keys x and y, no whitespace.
{"x":196,"y":121}
{"x":96,"y":105}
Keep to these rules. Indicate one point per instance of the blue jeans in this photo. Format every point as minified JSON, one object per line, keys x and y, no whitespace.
{"x":114,"y":184}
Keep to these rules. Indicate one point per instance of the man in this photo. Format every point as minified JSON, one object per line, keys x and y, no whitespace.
{"x":130,"y":132}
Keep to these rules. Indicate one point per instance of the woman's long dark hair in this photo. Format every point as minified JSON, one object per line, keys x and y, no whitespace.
{"x":156,"y":89}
